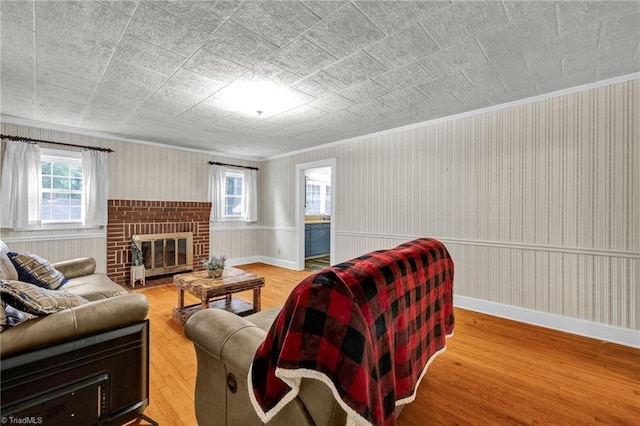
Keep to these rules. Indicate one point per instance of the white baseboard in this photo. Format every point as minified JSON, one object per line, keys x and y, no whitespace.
{"x":594,"y":330}
{"x":288,"y":264}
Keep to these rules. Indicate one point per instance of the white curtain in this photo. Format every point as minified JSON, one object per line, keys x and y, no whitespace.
{"x":95,"y":173}
{"x":20,"y":196}
{"x":250,"y":212}
{"x":217,"y":185}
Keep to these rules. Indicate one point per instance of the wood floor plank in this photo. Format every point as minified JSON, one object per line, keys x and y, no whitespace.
{"x":494,"y":371}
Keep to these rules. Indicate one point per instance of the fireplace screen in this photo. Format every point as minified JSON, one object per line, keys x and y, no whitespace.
{"x":166,"y":253}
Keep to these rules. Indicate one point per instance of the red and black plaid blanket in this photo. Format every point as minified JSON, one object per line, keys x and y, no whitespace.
{"x":368,"y":328}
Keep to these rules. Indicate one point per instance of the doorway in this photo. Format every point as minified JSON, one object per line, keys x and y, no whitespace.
{"x":315,"y":218}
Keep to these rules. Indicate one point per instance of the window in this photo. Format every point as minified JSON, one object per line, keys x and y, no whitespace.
{"x":62,"y":185}
{"x":318,"y":198}
{"x":233,"y":194}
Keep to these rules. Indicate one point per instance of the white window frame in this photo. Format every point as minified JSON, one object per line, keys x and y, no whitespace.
{"x":240,"y":215}
{"x":48,"y":154}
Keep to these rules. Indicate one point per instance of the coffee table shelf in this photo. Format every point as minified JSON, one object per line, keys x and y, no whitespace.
{"x":217,"y":292}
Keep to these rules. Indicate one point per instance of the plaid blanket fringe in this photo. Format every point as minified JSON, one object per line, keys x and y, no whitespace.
{"x":368,"y":328}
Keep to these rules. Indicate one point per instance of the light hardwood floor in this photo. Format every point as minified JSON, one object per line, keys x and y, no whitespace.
{"x":495,"y":371}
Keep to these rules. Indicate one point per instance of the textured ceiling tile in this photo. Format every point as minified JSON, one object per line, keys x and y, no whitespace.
{"x":53,"y":107}
{"x":446,"y":84}
{"x":409,"y":75}
{"x":56,"y":78}
{"x":621,"y":34}
{"x":324,"y":8}
{"x":577,"y":79}
{"x":125,"y":89}
{"x":70,"y":94}
{"x":344,"y":32}
{"x":163,"y":105}
{"x":534,"y":29}
{"x":126,"y":7}
{"x":213,"y":66}
{"x":463,"y":20}
{"x":18,"y":100}
{"x":331,"y":103}
{"x":393,"y":16}
{"x":146,"y":55}
{"x":64,"y":49}
{"x":91,"y":18}
{"x":269,"y":72}
{"x":404,"y":97}
{"x":518,"y":9}
{"x":155,"y":113}
{"x":572,"y":16}
{"x":493,"y":71}
{"x":126,"y":105}
{"x":480,"y":92}
{"x":180,"y":97}
{"x":235,"y":43}
{"x":131,"y":74}
{"x":455,"y":58}
{"x":406,"y":115}
{"x":557,"y":48}
{"x":297,"y":115}
{"x":163,"y":29}
{"x":319,"y":84}
{"x":278,"y":21}
{"x":206,"y":15}
{"x":189,"y":82}
{"x":441,"y":102}
{"x":355,"y":68}
{"x":403,"y":47}
{"x":302,"y":57}
{"x":371,"y":107}
{"x":364,"y":91}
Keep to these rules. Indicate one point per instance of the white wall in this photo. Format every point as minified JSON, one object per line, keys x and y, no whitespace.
{"x":538,"y":203}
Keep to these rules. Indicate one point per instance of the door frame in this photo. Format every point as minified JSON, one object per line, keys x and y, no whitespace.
{"x":299,"y":200}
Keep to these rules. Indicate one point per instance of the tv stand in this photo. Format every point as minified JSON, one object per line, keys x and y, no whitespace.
{"x":97,"y":380}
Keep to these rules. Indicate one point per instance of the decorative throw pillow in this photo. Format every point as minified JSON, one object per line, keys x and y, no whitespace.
{"x":36,"y":270}
{"x":10,"y":316}
{"x":37,"y":300}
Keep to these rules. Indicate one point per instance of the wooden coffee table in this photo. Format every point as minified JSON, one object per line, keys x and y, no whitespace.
{"x":208,"y":289}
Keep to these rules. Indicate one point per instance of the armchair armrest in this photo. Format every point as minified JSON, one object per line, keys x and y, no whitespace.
{"x":69,"y":324}
{"x":75,"y":268}
{"x":225,"y":336}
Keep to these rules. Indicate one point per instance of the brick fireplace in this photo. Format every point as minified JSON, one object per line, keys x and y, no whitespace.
{"x":133,"y":217}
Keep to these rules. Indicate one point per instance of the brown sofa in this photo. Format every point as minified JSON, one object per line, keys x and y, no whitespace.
{"x":112,"y":307}
{"x":53,"y":365}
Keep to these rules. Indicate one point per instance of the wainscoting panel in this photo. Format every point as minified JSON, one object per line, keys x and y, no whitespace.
{"x":57,"y":249}
{"x":538,"y":202}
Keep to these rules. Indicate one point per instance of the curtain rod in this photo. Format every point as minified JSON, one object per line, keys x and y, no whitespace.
{"x":29,"y":140}
{"x":215,"y":163}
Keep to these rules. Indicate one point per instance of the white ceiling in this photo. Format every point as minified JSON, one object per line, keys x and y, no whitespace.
{"x":159,"y":70}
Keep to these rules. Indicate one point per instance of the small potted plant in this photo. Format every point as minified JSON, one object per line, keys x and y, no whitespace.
{"x":214,"y":266}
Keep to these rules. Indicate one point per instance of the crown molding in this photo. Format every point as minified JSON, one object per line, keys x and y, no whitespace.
{"x":112,"y":136}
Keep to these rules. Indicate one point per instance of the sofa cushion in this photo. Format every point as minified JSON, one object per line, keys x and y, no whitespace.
{"x":37,"y":300}
{"x":36,"y":270}
{"x":94,"y":287}
{"x":7,"y":270}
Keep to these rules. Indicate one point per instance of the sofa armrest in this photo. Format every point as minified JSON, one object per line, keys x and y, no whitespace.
{"x":225,"y":336}
{"x":84,"y":320}
{"x":75,"y":268}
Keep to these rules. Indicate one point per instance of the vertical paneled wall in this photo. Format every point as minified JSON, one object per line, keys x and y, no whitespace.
{"x":138,"y":172}
{"x":538,"y":203}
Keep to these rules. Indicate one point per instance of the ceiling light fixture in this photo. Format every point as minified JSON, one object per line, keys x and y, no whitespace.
{"x":250,"y":97}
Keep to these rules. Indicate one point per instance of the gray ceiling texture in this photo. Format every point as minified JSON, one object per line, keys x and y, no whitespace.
{"x":193,"y":73}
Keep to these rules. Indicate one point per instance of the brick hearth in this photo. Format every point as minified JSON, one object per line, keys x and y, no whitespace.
{"x":131,"y":217}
